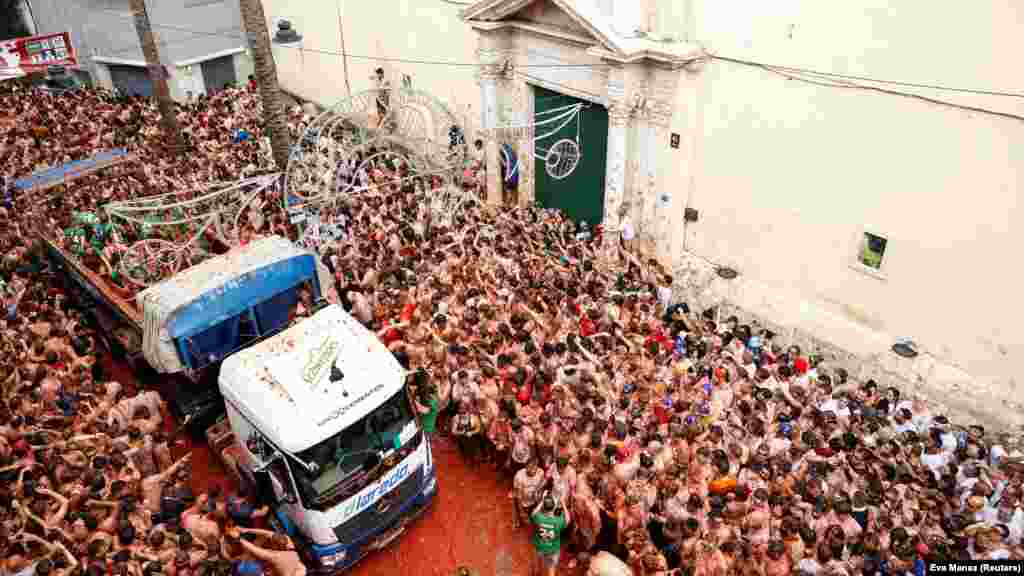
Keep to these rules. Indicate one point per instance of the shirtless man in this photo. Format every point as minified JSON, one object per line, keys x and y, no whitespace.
{"x":282,"y":557}
{"x":527,"y":490}
{"x":153,"y":486}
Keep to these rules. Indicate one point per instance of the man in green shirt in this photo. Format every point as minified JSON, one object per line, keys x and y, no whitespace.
{"x":427,"y":406}
{"x":550,"y":518}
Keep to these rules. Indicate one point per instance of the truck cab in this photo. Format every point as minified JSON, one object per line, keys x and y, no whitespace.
{"x":324,"y":429}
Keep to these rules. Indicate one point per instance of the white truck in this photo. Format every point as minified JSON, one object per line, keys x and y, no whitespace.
{"x":325,"y":431}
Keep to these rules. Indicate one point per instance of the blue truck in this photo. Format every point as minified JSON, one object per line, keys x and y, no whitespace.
{"x":179,"y":331}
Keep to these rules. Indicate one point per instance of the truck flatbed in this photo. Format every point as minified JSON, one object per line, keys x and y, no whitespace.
{"x":126,"y":311}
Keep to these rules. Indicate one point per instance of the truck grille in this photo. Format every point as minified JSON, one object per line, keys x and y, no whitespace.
{"x":369,"y":519}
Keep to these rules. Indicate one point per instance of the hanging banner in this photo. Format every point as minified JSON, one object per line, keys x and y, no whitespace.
{"x":29,"y":54}
{"x":50,"y":177}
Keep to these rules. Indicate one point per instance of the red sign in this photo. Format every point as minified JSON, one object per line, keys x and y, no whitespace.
{"x":23,"y":56}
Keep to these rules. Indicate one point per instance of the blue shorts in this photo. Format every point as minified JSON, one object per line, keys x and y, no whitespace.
{"x":247,"y":568}
{"x":240,"y":511}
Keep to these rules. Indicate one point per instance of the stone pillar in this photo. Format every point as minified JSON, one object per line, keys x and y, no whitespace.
{"x":660,"y":196}
{"x":643,"y":182}
{"x":487,"y":77}
{"x":615,"y":175}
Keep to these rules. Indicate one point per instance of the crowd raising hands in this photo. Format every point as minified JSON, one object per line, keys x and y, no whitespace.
{"x":630,"y":425}
{"x":88,"y":483}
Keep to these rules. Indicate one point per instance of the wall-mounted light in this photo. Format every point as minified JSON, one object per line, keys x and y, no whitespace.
{"x":286,"y":34}
{"x":726,"y":273}
{"x":905,"y":348}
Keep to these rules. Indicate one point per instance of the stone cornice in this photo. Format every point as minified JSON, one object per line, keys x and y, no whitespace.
{"x":670,"y":60}
{"x":543,"y":30}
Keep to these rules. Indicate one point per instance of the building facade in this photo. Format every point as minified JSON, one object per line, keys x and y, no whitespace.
{"x":201,"y":42}
{"x":864,"y":212}
{"x":855,"y":212}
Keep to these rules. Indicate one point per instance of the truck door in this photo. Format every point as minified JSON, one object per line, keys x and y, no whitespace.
{"x":287,"y":503}
{"x":281,"y":483}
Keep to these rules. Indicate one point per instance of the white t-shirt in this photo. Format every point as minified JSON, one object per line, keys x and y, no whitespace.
{"x":949,"y":443}
{"x":664,"y":295}
{"x":809,"y":565}
{"x":628,"y":232}
{"x":934,"y":462}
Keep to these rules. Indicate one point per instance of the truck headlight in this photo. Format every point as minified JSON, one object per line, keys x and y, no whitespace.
{"x":334,"y":559}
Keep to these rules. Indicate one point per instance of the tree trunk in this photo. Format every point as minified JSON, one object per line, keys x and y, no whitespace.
{"x":266,"y":77}
{"x":168,"y":117}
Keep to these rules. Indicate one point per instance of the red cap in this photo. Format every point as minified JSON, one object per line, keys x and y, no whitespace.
{"x":922,"y":548}
{"x":824,"y":451}
{"x":800,"y":365}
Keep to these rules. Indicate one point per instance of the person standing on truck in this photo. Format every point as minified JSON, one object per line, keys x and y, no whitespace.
{"x":549,"y":518}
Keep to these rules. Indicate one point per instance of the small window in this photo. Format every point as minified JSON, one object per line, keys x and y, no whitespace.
{"x":872,"y":251}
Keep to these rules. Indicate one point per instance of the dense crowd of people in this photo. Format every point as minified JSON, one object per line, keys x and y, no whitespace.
{"x":651,"y":437}
{"x":657,"y":434}
{"x":88,"y":484}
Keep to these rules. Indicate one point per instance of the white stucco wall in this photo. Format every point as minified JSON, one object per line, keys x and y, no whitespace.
{"x":243,"y":67}
{"x":787,"y":175}
{"x":406,"y":29}
{"x":185,"y":79}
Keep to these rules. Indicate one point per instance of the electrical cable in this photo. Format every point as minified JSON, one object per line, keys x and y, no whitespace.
{"x":477,"y":64}
{"x":793,"y":73}
{"x":869,"y":79}
{"x":822,"y":80}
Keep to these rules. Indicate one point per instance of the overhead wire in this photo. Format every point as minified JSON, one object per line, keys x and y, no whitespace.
{"x":825,"y":79}
{"x":821,"y":78}
{"x":870,"y":79}
{"x":240,"y":36}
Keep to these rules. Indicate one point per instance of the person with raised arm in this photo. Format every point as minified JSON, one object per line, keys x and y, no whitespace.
{"x":281,"y":555}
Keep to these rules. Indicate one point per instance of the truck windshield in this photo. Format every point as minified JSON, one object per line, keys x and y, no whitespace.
{"x":351,"y":459}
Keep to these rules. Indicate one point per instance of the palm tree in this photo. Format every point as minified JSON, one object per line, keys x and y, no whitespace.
{"x":266,"y":77}
{"x":168,"y":117}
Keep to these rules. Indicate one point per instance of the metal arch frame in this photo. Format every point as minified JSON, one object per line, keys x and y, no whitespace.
{"x":228,"y":199}
{"x":434,"y":151}
{"x":369,"y":159}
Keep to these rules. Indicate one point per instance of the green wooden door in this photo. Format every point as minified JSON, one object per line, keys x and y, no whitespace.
{"x":579,"y":195}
